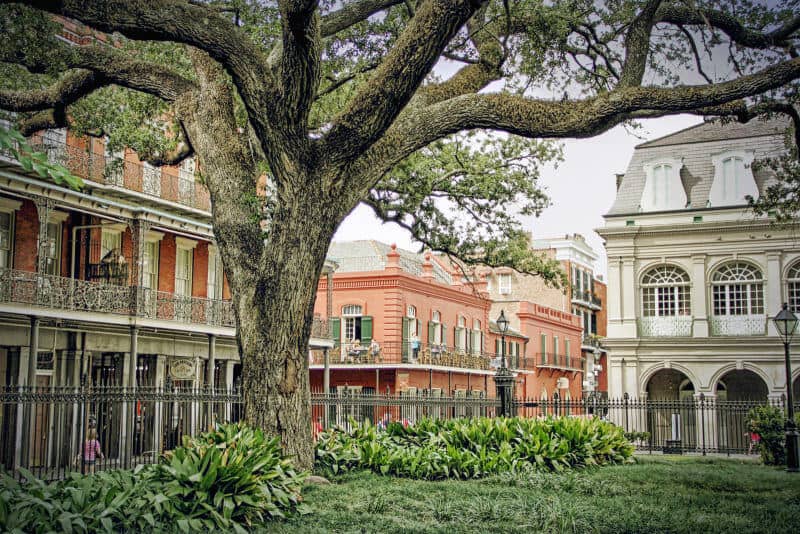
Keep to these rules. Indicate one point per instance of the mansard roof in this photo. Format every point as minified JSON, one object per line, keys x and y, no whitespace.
{"x":695,"y":147}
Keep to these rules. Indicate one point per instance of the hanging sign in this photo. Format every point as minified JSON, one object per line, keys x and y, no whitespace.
{"x":182,"y":368}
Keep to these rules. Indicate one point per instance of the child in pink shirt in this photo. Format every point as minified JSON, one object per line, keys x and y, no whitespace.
{"x":91,"y":450}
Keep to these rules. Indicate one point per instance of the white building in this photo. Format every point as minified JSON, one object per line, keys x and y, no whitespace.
{"x":693,"y":275}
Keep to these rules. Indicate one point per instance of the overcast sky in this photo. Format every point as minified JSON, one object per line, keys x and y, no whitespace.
{"x":581,"y":189}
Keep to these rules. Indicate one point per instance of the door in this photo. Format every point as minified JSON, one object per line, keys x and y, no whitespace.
{"x":41,"y":426}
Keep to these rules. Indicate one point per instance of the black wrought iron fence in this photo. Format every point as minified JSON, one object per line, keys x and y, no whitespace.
{"x":51,"y":431}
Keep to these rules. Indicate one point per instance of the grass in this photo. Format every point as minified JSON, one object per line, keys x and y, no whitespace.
{"x":657,"y":494}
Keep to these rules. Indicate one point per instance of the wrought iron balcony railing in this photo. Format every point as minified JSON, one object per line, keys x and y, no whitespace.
{"x":738,"y":325}
{"x":586,"y":297}
{"x":159,"y":182}
{"x":554,"y":361}
{"x":57,"y":292}
{"x":674,"y":326}
{"x":394,"y":352}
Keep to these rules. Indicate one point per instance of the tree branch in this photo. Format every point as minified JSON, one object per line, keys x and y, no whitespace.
{"x":300,"y":60}
{"x":393,"y":84}
{"x":72,"y":86}
{"x":729,"y":24}
{"x":637,"y":46}
{"x":352,"y":13}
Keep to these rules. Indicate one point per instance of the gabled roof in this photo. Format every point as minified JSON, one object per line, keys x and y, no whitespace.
{"x":370,"y":255}
{"x":695,"y":147}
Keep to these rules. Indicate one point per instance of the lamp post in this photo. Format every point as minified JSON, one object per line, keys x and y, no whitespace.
{"x":503,"y":378}
{"x":786,"y":323}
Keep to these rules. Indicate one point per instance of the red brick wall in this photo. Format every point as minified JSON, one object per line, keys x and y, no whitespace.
{"x":166,"y":264}
{"x":200,"y":270}
{"x":26,"y":230}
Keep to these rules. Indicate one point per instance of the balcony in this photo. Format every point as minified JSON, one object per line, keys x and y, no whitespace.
{"x":560,"y":362}
{"x":164,"y":183}
{"x":676,"y":326}
{"x":68,"y":294}
{"x":586,"y":298}
{"x":395,"y":353}
{"x":738,"y":325}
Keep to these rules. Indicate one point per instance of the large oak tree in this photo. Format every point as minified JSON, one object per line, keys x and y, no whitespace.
{"x":382,"y":102}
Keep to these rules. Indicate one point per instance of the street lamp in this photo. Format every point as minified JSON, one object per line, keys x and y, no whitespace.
{"x":786,"y":323}
{"x":503,"y":378}
{"x":502,"y":325}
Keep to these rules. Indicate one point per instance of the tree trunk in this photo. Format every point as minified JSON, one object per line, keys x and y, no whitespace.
{"x":275,"y":314}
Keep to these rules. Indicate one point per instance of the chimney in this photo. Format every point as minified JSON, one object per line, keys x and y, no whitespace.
{"x":427,"y":268}
{"x":393,"y":259}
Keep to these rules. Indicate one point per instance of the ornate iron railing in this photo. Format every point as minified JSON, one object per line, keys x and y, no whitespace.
{"x":160,"y":182}
{"x":393,"y":352}
{"x":738,"y":325}
{"x":677,"y":326}
{"x":57,"y":292}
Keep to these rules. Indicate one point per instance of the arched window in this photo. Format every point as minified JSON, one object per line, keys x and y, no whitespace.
{"x":737,"y":289}
{"x":665,"y":292}
{"x":793,"y":287}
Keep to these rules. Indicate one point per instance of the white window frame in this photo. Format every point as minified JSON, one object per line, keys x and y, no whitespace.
{"x":663,"y":189}
{"x":744,"y":184}
{"x":106,"y":236}
{"x":749,"y":292}
{"x":504,"y":283}
{"x":411,"y":313}
{"x":436,"y":319}
{"x":214,"y":280}
{"x":673,"y":287}
{"x":351,"y":315}
{"x":10,"y":208}
{"x":186,"y":247}
{"x":55,"y":220}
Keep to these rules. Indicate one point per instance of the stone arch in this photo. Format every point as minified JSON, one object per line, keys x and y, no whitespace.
{"x":644,"y":378}
{"x":644,"y":268}
{"x":669,"y":384}
{"x":741,"y":385}
{"x":725,"y":369}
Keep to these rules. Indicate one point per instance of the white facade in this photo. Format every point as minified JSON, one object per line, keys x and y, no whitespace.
{"x":691,"y":289}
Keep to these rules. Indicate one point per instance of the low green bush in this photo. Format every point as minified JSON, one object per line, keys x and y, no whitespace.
{"x":472,"y":448}
{"x":769,"y":423}
{"x":227,"y":479}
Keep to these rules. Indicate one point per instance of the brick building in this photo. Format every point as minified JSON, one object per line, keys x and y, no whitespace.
{"x":118,"y":284}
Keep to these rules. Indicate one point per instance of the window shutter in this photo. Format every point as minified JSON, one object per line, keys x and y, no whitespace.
{"x":497,"y":346}
{"x":444,"y":333}
{"x":366,"y":330}
{"x":431,"y":332}
{"x":406,"y":346}
{"x":419,"y":328}
{"x":336,"y":329}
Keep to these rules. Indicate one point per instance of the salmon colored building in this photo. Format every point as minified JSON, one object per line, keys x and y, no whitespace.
{"x":407,"y":323}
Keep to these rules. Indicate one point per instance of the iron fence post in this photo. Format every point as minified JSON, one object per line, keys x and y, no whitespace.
{"x":625,"y":398}
{"x":703,"y":420}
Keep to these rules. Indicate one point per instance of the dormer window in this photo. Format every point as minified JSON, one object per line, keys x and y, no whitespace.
{"x":733,"y":179}
{"x":663,"y":189}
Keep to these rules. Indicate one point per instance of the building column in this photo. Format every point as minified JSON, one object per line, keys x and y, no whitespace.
{"x":158,"y":412}
{"x":33,"y":351}
{"x":628,"y":288}
{"x":138,"y":228}
{"x":708,"y":429}
{"x":699,"y":297}
{"x":229,"y":387}
{"x":773,"y":301}
{"x":326,"y":372}
{"x":614,"y":297}
{"x":43,"y":208}
{"x":210,"y":386}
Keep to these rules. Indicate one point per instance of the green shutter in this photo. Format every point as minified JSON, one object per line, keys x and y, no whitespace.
{"x":566,"y":352}
{"x":457,"y":338}
{"x":406,"y":348}
{"x":444,"y":334}
{"x":419,"y":330}
{"x":366,"y":331}
{"x":336,"y":329}
{"x":544,"y":348}
{"x":431,"y":333}
{"x":497,"y":346}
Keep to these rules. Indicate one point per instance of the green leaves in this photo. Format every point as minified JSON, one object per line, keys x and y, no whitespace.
{"x":15,"y":145}
{"x":226,"y":480}
{"x":473,"y":448}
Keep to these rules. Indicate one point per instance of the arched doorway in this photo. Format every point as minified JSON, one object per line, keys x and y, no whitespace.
{"x":738,"y":392}
{"x":671,"y":410}
{"x":669,"y":384}
{"x":742,"y":385}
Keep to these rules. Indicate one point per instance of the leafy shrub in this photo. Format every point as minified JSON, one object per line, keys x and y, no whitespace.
{"x":233,"y":475}
{"x":471,"y":448}
{"x":226,"y":479}
{"x":768,"y":422}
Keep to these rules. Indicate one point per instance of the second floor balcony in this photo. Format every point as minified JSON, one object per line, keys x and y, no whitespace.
{"x":163,"y":183}
{"x":738,"y":325}
{"x":671,"y":326}
{"x":585,"y":297}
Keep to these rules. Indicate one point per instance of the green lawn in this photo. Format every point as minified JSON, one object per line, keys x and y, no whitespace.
{"x":657,"y":494}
